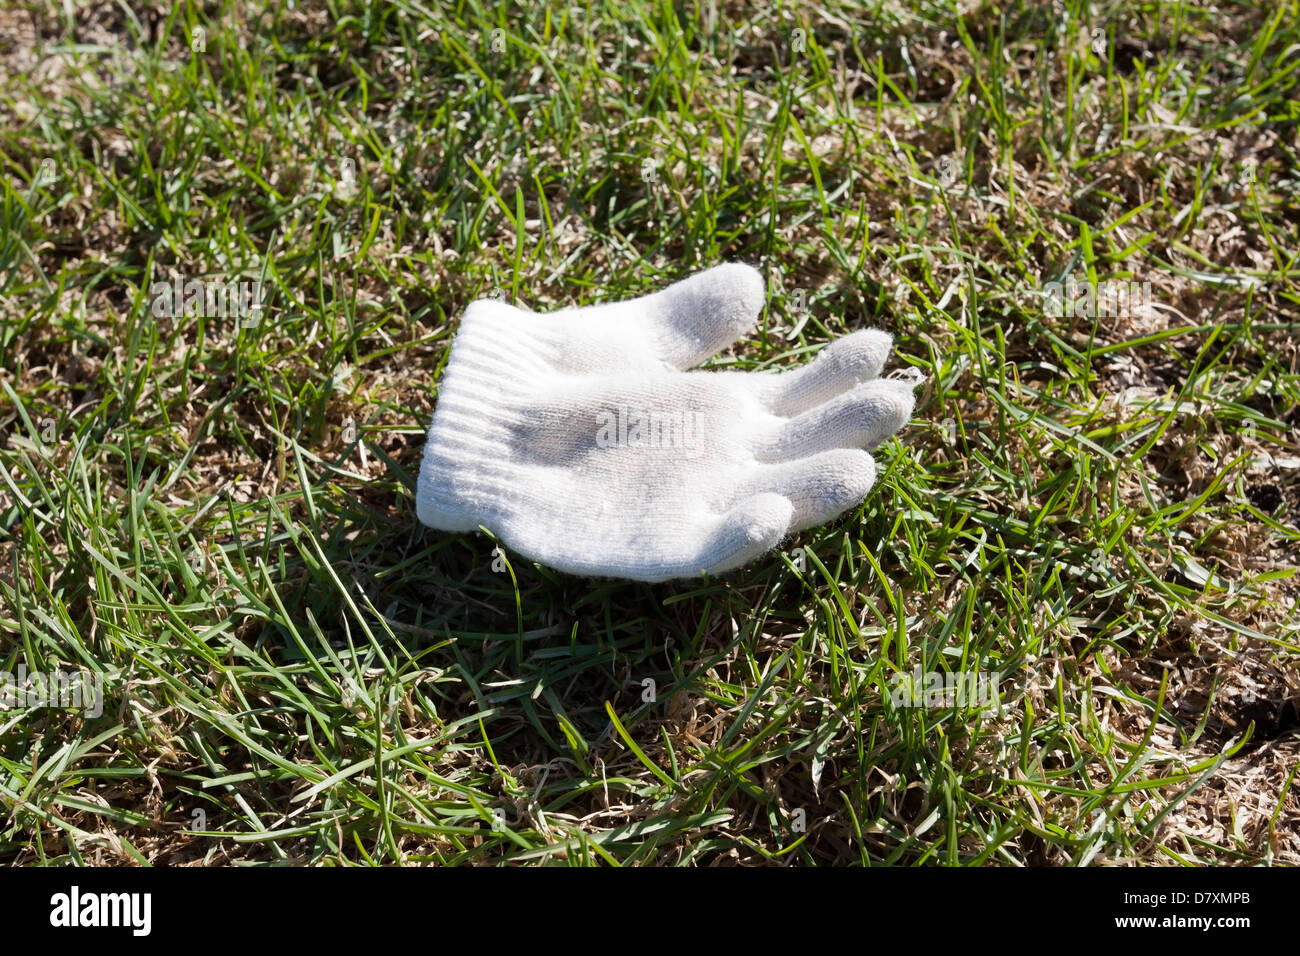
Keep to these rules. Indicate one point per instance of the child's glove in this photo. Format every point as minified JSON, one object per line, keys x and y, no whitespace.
{"x":578,"y":438}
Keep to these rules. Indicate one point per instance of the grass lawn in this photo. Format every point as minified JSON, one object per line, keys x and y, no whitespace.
{"x":1062,"y":629}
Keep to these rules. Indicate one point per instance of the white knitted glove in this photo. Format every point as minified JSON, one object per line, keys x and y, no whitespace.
{"x":577,"y":438}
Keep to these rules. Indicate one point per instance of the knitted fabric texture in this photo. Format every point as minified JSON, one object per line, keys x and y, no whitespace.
{"x":582,"y":442}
